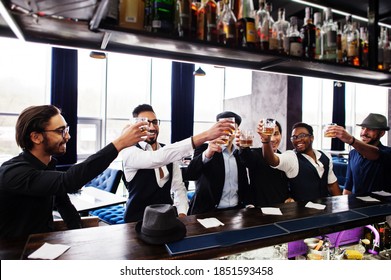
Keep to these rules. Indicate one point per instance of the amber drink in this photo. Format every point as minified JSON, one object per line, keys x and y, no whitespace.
{"x":328,"y":133}
{"x":268,"y":126}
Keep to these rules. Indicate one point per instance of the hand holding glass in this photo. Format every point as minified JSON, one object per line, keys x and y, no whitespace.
{"x":246,"y":138}
{"x":328,"y":133}
{"x":144,"y":127}
{"x":268,"y":126}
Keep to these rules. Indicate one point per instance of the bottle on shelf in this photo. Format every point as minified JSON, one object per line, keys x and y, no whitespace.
{"x":280,"y":30}
{"x":265,"y":28}
{"x":131,"y":14}
{"x":380,"y":49}
{"x":330,"y":30}
{"x":210,"y":20}
{"x":227,"y":26}
{"x":163,"y":16}
{"x":318,"y":36}
{"x":295,"y":41}
{"x":364,"y":46}
{"x":386,"y":52}
{"x":201,"y":22}
{"x":339,"y":44}
{"x":246,"y":25}
{"x":352,"y":41}
{"x":260,"y":15}
{"x":183,"y":18}
{"x":308,"y":34}
{"x":195,"y":5}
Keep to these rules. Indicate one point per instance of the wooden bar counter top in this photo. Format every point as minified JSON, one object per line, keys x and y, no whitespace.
{"x":120,"y":242}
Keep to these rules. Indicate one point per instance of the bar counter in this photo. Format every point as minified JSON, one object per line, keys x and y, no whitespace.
{"x":118,"y":242}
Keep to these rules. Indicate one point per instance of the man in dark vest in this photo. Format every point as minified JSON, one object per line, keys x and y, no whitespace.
{"x":151,"y":169}
{"x":310,"y":171}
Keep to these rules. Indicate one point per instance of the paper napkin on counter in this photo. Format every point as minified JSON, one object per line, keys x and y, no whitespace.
{"x":210,"y":222}
{"x":49,"y":251}
{"x":382,"y":193}
{"x":315,"y":205}
{"x":368,"y":198}
{"x":271,"y":211}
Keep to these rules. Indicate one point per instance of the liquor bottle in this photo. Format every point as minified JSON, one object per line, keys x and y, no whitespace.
{"x":344,"y":44}
{"x":330,"y":29}
{"x":183,"y":18}
{"x":352,"y":39}
{"x":195,"y":5}
{"x":131,"y":14}
{"x":148,"y":15}
{"x":260,"y":15}
{"x":227,"y":26}
{"x":308,"y":31}
{"x":295,"y":41}
{"x":163,"y":16}
{"x":364,"y":46}
{"x":318,"y":36}
{"x":339,"y":44}
{"x":266,"y":28}
{"x":246,"y":25}
{"x":380,"y":49}
{"x":210,"y":20}
{"x":280,"y":30}
{"x":386,"y":52}
{"x":201,"y":22}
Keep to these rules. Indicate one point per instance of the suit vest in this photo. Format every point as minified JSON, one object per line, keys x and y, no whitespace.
{"x":307,"y":185}
{"x":144,"y":190}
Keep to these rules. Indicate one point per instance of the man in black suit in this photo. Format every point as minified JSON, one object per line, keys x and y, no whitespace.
{"x":221,"y":179}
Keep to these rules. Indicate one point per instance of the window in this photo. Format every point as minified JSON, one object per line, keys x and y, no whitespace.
{"x":24,"y":82}
{"x":318,"y":106}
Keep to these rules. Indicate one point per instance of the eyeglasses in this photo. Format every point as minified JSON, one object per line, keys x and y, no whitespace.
{"x":63,"y":131}
{"x":154,"y":122}
{"x":300,"y":136}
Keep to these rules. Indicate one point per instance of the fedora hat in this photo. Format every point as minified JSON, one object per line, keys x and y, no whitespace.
{"x":375,"y":121}
{"x":160,"y":225}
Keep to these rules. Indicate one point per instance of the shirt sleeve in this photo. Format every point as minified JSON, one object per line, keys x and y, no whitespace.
{"x":134,"y":158}
{"x":288,"y":164}
{"x":178,"y":189}
{"x":331,"y":178}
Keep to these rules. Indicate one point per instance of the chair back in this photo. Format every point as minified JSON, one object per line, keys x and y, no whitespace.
{"x":108,"y":180}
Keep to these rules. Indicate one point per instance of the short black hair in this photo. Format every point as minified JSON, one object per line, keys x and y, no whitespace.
{"x":279,"y":126}
{"x":306,"y":126}
{"x":142,"y":108}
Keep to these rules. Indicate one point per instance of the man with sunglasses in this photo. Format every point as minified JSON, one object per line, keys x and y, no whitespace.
{"x":310,"y":171}
{"x":152,"y":171}
{"x":30,"y":187}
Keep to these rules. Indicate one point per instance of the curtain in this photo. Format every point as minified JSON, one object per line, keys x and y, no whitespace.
{"x":338,"y":113}
{"x":64,"y":96}
{"x":182,"y":101}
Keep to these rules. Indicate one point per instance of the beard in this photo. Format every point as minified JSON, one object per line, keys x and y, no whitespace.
{"x":55,"y":149}
{"x":152,"y":140}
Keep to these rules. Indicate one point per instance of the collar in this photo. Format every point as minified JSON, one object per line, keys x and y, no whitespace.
{"x":147,"y":147}
{"x":37,"y":163}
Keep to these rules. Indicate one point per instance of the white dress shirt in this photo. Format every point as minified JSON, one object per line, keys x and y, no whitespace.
{"x":134,"y":158}
{"x":289,"y":163}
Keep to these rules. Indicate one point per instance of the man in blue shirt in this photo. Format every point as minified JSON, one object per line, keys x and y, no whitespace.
{"x":369,"y":160}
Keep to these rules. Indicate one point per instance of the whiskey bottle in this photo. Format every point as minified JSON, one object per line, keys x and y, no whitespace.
{"x":246,"y":25}
{"x":339,"y":44}
{"x":318,"y":36}
{"x":201,"y":22}
{"x":364,"y":46}
{"x":210,"y":20}
{"x":295,"y":42}
{"x":183,"y":18}
{"x":330,"y":37}
{"x":380,"y":49}
{"x":163,"y":16}
{"x":195,"y":5}
{"x":265,"y":27}
{"x":227,"y":26}
{"x":308,"y":31}
{"x":352,"y":40}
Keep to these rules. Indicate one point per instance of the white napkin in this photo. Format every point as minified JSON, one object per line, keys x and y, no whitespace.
{"x":210,"y":222}
{"x":315,"y":205}
{"x":367,"y":198}
{"x":49,"y":251}
{"x":382,"y":193}
{"x":271,"y":211}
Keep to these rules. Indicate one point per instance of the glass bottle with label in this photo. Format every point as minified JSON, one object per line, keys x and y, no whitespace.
{"x":352,"y":39}
{"x":280,"y":30}
{"x":227,"y":26}
{"x":308,"y":31}
{"x":131,"y":14}
{"x":318,"y":36}
{"x":330,"y":37}
{"x":206,"y":19}
{"x":183,"y":18}
{"x":380,"y":49}
{"x":148,"y":15}
{"x":201,"y":22}
{"x":163,"y":16}
{"x":195,"y":5}
{"x":295,"y":42}
{"x":266,"y":26}
{"x":260,"y":15}
{"x":364,"y":46}
{"x":339,"y":44}
{"x":246,"y":25}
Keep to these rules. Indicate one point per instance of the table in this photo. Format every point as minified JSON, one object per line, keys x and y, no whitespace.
{"x":119,"y":242}
{"x":90,"y":198}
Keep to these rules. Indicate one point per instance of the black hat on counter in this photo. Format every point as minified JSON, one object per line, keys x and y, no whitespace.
{"x":229,"y":114}
{"x":160,"y":225}
{"x":375,"y":121}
